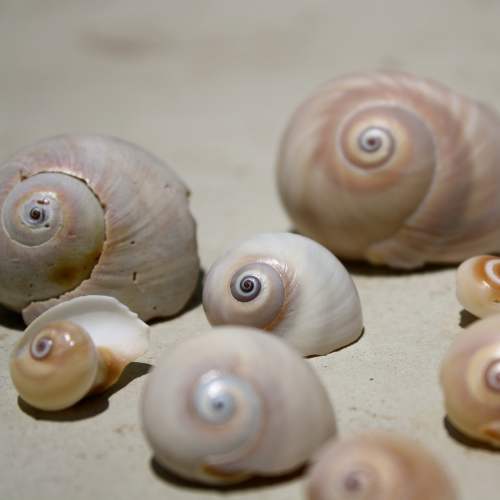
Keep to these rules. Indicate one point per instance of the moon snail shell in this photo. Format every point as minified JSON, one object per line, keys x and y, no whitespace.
{"x":73,"y":213}
{"x":470,"y":380}
{"x":393,"y":169}
{"x":288,"y":285}
{"x":77,"y":348}
{"x":377,"y":466}
{"x":478,"y":285}
{"x":218,"y":407}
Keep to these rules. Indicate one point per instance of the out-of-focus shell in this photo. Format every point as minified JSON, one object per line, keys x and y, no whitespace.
{"x":377,"y":466}
{"x":470,"y":379}
{"x":289,"y":285}
{"x":78,"y":347}
{"x":393,"y":169}
{"x":478,"y":285}
{"x":233,"y":403}
{"x":83,"y":215}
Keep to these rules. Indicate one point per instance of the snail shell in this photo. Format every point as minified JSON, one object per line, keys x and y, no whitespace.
{"x":92,"y":215}
{"x":377,"y":466}
{"x":74,"y":349}
{"x":289,"y":285}
{"x":393,"y":169}
{"x":470,"y":379}
{"x":478,"y":285}
{"x":219,"y":407}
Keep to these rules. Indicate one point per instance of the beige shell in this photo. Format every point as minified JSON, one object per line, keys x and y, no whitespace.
{"x":85,"y":215}
{"x":393,"y":169}
{"x":233,"y":403}
{"x":76,"y":348}
{"x":295,"y":288}
{"x":377,"y":466}
{"x":470,"y":379}
{"x":478,"y":285}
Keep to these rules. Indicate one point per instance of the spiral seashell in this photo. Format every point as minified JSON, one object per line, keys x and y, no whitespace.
{"x":478,"y":285}
{"x":83,"y":215}
{"x":76,"y":348}
{"x":470,"y":379}
{"x":288,"y":285}
{"x":377,"y":466}
{"x":393,"y":169}
{"x":220,"y":407}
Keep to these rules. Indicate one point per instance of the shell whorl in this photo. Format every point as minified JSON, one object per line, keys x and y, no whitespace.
{"x":132,"y":186}
{"x":470,"y":379}
{"x":288,"y":285}
{"x":391,"y":168}
{"x":377,"y":466}
{"x":214,"y":407}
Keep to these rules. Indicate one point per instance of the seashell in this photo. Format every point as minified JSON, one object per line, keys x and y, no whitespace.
{"x":478,"y":285}
{"x":470,"y":379}
{"x":76,"y":348}
{"x":377,"y":466}
{"x":93,"y":215}
{"x":219,"y":407}
{"x":393,"y":169}
{"x":289,"y":285}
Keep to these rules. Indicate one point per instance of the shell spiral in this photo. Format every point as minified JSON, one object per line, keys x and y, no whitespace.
{"x":218,"y":407}
{"x":82,"y":215}
{"x":393,"y":169}
{"x":377,"y":466}
{"x":288,"y":285}
{"x":470,"y":379}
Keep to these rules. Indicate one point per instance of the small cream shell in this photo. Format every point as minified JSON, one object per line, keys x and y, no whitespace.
{"x":75,"y":348}
{"x":306,"y":296}
{"x":232,"y":403}
{"x":478,"y":285}
{"x":470,"y":380}
{"x":377,"y":466}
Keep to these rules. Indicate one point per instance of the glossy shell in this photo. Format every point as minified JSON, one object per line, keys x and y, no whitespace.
{"x":393,"y":169}
{"x":219,"y":407}
{"x":83,"y":215}
{"x":470,"y":379}
{"x":378,"y":466}
{"x":478,"y":285}
{"x":289,"y":285}
{"x":75,"y":348}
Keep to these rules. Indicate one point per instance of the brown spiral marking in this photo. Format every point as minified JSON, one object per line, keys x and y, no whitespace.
{"x":480,"y":274}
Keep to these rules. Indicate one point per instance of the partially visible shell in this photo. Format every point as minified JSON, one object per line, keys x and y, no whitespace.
{"x":131,"y":207}
{"x":470,"y":379}
{"x":75,"y":348}
{"x":478,"y":285}
{"x":233,"y":403}
{"x":300,"y":292}
{"x":378,"y":466}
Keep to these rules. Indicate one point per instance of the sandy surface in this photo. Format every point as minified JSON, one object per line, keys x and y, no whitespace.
{"x":209,"y":87}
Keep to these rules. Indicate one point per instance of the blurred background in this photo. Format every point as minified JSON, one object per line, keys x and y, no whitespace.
{"x":209,"y":86}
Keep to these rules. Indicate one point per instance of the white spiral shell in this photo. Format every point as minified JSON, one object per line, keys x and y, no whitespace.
{"x":393,"y":169}
{"x":83,"y":215}
{"x":232,"y":403}
{"x":299,"y":291}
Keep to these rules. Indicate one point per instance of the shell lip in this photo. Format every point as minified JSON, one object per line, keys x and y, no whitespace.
{"x":109,"y":323}
{"x":491,"y":431}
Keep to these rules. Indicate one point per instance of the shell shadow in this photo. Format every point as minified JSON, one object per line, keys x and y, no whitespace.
{"x":355,"y":341}
{"x":466,"y":318}
{"x":195,"y":301}
{"x":253,"y":483}
{"x":91,"y":406}
{"x":461,"y":438}
{"x":11,"y":319}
